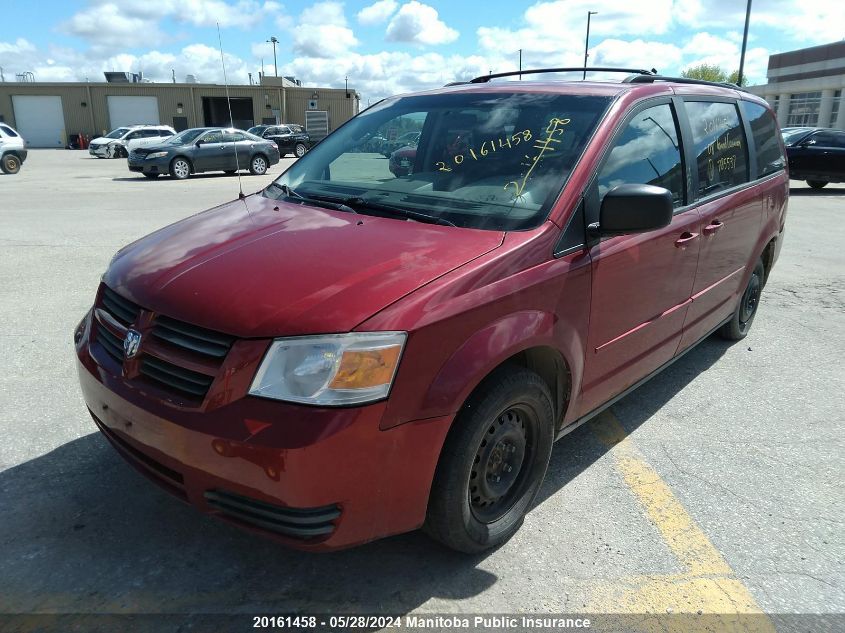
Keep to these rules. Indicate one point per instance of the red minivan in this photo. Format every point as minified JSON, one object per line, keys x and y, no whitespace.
{"x":348,"y":354}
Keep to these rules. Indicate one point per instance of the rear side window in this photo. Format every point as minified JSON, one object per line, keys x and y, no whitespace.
{"x":8,"y":131}
{"x":765,"y":133}
{"x":720,"y":149}
{"x":827,"y":138}
{"x":647,"y":153}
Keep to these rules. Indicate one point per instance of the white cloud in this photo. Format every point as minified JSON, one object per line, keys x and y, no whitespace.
{"x":108,"y":25}
{"x":419,"y":24}
{"x":635,"y":54}
{"x":322,"y":32}
{"x":377,"y":12}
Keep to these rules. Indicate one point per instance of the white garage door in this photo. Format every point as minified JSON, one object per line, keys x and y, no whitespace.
{"x":40,"y":120}
{"x":133,"y":111}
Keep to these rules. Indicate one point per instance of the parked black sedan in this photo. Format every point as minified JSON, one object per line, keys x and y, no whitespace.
{"x":290,"y":138}
{"x":816,"y":155}
{"x":205,"y":149}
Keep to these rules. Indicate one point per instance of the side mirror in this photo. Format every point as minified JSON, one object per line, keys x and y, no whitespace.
{"x":198,"y":143}
{"x":633,"y":208}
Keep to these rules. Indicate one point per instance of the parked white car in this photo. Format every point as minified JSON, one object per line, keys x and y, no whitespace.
{"x":12,"y":150}
{"x":118,"y":143}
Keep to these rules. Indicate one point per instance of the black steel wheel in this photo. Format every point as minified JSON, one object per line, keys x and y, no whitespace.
{"x":493,"y":462}
{"x":737,"y":328}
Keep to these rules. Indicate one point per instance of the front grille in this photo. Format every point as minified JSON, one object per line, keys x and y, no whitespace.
{"x":121,"y":309}
{"x":179,"y":342}
{"x":184,"y":380}
{"x":192,"y":338}
{"x":301,"y":523}
{"x":110,"y":343}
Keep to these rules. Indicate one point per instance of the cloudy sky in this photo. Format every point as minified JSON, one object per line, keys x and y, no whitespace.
{"x":392,"y":46}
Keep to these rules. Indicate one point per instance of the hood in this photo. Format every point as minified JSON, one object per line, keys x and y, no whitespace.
{"x":158,"y":147}
{"x":261,"y":268}
{"x":102,"y":140}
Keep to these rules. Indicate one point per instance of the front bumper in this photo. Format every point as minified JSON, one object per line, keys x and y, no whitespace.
{"x":100,"y":150}
{"x":314,"y":478}
{"x":154,"y":166}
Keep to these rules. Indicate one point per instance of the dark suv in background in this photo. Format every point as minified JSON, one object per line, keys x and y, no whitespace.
{"x":290,"y":138}
{"x":816,"y":155}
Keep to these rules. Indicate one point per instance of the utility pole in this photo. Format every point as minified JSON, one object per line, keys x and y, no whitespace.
{"x":173,"y":74}
{"x":346,"y":85}
{"x":274,"y":41}
{"x":744,"y":43}
{"x":587,"y":42}
{"x":520,"y":64}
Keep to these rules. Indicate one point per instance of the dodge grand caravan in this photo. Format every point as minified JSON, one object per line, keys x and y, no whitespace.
{"x":348,"y":354}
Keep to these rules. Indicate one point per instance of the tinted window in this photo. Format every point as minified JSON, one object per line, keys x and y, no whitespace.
{"x":9,"y":131}
{"x":232,"y":137}
{"x":164,"y":133}
{"x":719,"y":145}
{"x":646,"y":153}
{"x":215,"y":136}
{"x":827,"y":138}
{"x":765,"y":133}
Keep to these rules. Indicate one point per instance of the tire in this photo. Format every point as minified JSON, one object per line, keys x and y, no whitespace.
{"x":258,"y":165}
{"x":10,"y":164}
{"x":737,"y":328}
{"x":504,"y":432}
{"x":299,"y":150}
{"x":817,"y":184}
{"x":151,"y":176}
{"x":180,"y":168}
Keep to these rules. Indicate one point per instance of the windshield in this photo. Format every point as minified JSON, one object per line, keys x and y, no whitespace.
{"x":185,"y":137}
{"x":118,"y":133}
{"x":491,"y":161}
{"x":790,"y":136}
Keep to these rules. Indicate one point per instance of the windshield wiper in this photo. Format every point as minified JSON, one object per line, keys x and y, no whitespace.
{"x":290,"y":192}
{"x":408,"y":213}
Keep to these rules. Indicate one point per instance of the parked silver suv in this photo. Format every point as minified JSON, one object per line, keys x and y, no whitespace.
{"x":118,"y":143}
{"x":12,"y":150}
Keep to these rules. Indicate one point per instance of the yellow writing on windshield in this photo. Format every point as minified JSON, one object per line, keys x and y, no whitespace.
{"x":545,"y":146}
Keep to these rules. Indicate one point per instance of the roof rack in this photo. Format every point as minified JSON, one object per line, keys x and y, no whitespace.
{"x":629,"y":71}
{"x":647,"y":79}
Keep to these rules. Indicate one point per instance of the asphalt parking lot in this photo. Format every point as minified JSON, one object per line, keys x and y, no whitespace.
{"x":716,"y":487}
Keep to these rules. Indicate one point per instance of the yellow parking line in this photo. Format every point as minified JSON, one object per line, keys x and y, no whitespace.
{"x":707,"y":583}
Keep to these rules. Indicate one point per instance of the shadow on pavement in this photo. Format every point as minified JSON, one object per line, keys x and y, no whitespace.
{"x":81,"y":532}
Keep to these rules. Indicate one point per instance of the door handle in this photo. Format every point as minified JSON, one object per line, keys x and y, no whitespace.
{"x":686,"y":237}
{"x":711,"y":228}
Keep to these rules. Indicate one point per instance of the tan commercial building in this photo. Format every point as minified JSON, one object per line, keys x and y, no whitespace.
{"x":807,"y":87}
{"x":51,"y":114}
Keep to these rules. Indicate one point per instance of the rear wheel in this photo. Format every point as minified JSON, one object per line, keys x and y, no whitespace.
{"x":817,"y":184}
{"x":10,"y":164}
{"x":300,"y":150}
{"x":493,"y":462}
{"x":180,"y":168}
{"x":258,"y":165}
{"x":737,"y":328}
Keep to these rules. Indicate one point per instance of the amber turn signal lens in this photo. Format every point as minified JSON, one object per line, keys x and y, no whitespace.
{"x":368,"y":368}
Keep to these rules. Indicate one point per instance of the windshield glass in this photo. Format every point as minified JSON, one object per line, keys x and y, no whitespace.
{"x":482,"y":160}
{"x":185,"y":137}
{"x":119,"y":132}
{"x":790,"y":136}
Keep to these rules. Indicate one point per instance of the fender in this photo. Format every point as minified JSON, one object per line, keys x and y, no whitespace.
{"x":483,"y":352}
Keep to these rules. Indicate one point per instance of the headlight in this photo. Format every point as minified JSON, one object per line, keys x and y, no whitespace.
{"x":157,"y":155}
{"x":331,"y":370}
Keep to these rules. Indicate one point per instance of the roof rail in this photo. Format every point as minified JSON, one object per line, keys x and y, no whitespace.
{"x":647,"y":79}
{"x":485,"y":78}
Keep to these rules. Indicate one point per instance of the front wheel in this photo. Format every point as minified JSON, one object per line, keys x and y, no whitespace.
{"x":10,"y":164}
{"x":737,"y":328}
{"x":258,"y":165}
{"x":180,"y":168}
{"x":300,"y":150}
{"x":817,"y":184}
{"x":493,"y":462}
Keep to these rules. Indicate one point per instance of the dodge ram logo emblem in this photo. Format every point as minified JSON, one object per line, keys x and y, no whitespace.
{"x":131,"y":343}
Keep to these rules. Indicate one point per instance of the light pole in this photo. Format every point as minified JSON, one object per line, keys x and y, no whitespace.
{"x":744,"y":42}
{"x":274,"y":41}
{"x":587,"y":42}
{"x":520,"y":64}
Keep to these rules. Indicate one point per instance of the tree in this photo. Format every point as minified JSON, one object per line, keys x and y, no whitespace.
{"x":712,"y":72}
